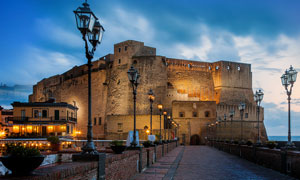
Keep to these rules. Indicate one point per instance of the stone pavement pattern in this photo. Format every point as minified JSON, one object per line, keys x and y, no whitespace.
{"x":206,"y":163}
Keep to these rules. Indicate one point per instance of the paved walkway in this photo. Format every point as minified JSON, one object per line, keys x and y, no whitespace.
{"x":206,"y":163}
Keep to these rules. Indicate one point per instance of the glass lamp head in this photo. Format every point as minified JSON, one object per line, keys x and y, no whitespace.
{"x":85,"y":18}
{"x":95,"y":37}
{"x":292,"y":75}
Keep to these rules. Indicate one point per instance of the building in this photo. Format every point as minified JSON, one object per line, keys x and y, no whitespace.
{"x":5,"y":127}
{"x":182,"y":86}
{"x":41,"y":119}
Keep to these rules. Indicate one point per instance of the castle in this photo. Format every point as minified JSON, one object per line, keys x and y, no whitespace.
{"x":196,"y":94}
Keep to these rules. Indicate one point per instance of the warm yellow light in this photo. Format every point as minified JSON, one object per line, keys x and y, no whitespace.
{"x":147,"y":131}
{"x":48,"y":144}
{"x":160,"y":106}
{"x":165,"y":113}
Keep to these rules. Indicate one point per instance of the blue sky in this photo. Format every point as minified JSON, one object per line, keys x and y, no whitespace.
{"x":40,"y":39}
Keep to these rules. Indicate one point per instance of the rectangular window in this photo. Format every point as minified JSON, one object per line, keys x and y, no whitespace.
{"x":246,"y":115}
{"x":56,"y":114}
{"x":23,"y":114}
{"x":99,"y":123}
{"x":181,"y":114}
{"x":119,"y":49}
{"x":195,"y":114}
{"x":119,"y":61}
{"x":120,"y":127}
{"x":206,"y":114}
{"x":95,"y":121}
{"x":36,"y":113}
{"x":44,"y":113}
{"x":125,"y":48}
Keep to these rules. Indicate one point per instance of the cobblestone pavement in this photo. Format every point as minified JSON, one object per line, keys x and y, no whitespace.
{"x":206,"y":163}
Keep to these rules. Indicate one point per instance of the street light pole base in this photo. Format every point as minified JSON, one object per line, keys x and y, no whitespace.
{"x":290,"y":146}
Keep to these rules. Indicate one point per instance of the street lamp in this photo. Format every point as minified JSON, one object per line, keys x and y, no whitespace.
{"x":168,"y":123}
{"x":287,"y":79}
{"x":258,"y":97}
{"x":242,"y":108}
{"x":151,"y":99}
{"x":134,"y":78}
{"x":89,"y":26}
{"x":165,"y":113}
{"x":160,"y":107}
{"x":231,"y":114}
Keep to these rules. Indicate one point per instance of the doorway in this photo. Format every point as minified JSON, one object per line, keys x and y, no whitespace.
{"x":195,"y":140}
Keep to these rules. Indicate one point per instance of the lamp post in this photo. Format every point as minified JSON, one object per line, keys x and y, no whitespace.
{"x":165,"y":113}
{"x":160,"y":107}
{"x":90,"y":28}
{"x":134,"y":78}
{"x":151,"y":99}
{"x":242,"y":108}
{"x":231,"y":114}
{"x":288,"y":79}
{"x":168,"y":123}
{"x":258,"y":97}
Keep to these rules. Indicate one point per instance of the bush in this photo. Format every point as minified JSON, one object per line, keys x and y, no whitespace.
{"x":53,"y":139}
{"x":21,"y":151}
{"x":147,"y":144}
{"x":156,"y":142}
{"x":271,"y":144}
{"x":116,"y":143}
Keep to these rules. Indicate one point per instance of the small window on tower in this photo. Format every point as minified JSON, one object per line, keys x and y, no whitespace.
{"x":195,"y":114}
{"x":246,"y":115}
{"x":119,"y":61}
{"x":206,"y":114}
{"x":99,"y":122}
{"x":181,"y":114}
{"x":125,"y":48}
{"x":209,"y":67}
{"x":95,"y":121}
{"x":119,"y":49}
{"x":228,"y":67}
{"x":238,"y":68}
{"x":120,"y":127}
{"x":217,"y":67}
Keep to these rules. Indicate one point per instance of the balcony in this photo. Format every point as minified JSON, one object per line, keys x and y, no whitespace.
{"x":42,"y":120}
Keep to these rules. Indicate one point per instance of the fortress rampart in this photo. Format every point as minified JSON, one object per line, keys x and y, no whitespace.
{"x":223,"y":82}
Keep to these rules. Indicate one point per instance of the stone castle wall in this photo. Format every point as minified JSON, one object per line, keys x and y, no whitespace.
{"x":225,"y":83}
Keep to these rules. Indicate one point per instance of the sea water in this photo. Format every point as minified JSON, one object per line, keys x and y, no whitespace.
{"x":283,"y":138}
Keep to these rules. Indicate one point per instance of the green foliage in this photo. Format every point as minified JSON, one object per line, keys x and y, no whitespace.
{"x":116,"y":143}
{"x":271,"y":144}
{"x":249,"y":143}
{"x":53,"y":139}
{"x":157,"y":136}
{"x":147,"y":143}
{"x":156,"y":142}
{"x":20,"y":151}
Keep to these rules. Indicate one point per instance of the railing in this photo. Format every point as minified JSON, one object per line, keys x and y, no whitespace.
{"x":42,"y":119}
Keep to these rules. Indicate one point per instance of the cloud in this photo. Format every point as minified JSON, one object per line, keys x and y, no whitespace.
{"x":40,"y":63}
{"x":58,"y":33}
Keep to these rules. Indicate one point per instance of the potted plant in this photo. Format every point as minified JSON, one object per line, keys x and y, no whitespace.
{"x":55,"y":143}
{"x":271,"y":144}
{"x":249,"y":143}
{"x":117,"y":147}
{"x":21,"y":160}
{"x":147,"y":144}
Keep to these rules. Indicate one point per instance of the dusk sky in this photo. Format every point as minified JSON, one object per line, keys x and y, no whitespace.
{"x":40,"y":39}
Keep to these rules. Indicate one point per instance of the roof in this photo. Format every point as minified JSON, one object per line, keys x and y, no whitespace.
{"x":43,"y":104}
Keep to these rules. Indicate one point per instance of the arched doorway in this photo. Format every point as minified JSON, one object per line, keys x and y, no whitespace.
{"x":195,"y":140}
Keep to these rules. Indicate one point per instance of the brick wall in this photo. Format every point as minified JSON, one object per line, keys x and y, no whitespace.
{"x":117,"y":166}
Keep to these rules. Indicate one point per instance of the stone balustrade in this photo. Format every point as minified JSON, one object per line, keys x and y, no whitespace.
{"x":281,"y":160}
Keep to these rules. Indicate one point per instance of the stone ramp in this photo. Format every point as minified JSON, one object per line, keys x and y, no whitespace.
{"x":206,"y":163}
